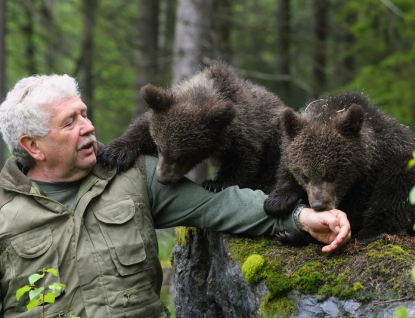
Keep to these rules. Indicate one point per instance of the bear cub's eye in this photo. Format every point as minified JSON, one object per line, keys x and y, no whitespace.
{"x":304,"y":177}
{"x":330,"y":177}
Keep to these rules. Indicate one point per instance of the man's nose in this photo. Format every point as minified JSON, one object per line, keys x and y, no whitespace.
{"x":87,"y":127}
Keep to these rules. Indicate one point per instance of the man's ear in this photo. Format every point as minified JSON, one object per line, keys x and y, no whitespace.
{"x":30,"y":144}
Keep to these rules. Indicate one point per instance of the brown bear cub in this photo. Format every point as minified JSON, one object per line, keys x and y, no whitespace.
{"x":343,"y":152}
{"x":214,"y":115}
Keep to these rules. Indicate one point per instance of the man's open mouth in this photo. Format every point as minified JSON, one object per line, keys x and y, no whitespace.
{"x":86,"y":146}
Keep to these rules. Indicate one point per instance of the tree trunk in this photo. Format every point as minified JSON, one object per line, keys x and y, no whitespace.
{"x":283,"y":45}
{"x":86,"y":60}
{"x":193,"y":49}
{"x":193,"y":37}
{"x":28,"y":31}
{"x":147,"y":53}
{"x":223,"y":27}
{"x":349,"y":40}
{"x":2,"y":67}
{"x":165,"y":40}
{"x":319,"y":52}
{"x":49,"y":29}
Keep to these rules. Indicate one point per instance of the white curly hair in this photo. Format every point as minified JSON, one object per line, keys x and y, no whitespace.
{"x":25,"y":112}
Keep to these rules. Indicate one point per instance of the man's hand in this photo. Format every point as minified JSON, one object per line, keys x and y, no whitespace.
{"x":330,"y":227}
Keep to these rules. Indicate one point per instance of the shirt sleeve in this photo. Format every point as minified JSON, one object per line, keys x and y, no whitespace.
{"x":234,"y":210}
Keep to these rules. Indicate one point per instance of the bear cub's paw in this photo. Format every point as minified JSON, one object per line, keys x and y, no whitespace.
{"x":295,"y":238}
{"x":114,"y":156}
{"x":280,"y":204}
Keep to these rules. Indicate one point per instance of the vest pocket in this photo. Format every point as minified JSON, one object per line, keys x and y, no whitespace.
{"x":29,"y":252}
{"x":122,"y":235}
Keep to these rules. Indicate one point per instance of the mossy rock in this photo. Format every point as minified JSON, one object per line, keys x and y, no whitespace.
{"x":379,"y":271}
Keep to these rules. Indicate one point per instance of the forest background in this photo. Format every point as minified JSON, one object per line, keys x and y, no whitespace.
{"x":298,"y":49}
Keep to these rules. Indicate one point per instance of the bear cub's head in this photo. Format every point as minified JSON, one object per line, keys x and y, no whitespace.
{"x":187,"y":126}
{"x":325,"y":151}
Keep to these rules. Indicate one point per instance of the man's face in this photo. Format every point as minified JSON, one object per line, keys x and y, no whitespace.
{"x":69,"y":149}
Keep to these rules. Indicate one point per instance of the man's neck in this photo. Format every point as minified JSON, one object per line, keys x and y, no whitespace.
{"x":35,"y":173}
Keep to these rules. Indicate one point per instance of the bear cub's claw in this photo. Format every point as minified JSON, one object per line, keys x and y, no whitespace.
{"x":215,"y":186}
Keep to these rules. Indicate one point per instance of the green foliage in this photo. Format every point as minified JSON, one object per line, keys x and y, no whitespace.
{"x":384,"y":54}
{"x":38,"y":294}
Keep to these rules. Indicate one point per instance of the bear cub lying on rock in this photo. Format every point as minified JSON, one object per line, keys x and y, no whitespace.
{"x":343,"y":152}
{"x":214,"y":115}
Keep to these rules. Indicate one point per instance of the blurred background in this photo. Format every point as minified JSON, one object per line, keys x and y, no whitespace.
{"x":298,"y":49}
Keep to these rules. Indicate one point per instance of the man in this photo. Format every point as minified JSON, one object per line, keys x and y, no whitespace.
{"x":60,"y":209}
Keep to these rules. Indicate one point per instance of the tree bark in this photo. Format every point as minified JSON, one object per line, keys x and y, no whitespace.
{"x":223,"y":27}
{"x":147,"y":53}
{"x":2,"y":67}
{"x":28,"y":31}
{"x":193,"y":37}
{"x":319,"y":52}
{"x":86,"y":60}
{"x":283,"y":45}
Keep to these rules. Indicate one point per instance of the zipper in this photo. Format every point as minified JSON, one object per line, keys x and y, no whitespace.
{"x":9,"y":261}
{"x":128,"y":294}
{"x":56,"y":315}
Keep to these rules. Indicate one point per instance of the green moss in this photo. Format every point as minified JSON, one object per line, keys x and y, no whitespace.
{"x":347,"y":293}
{"x":357,"y":287}
{"x":277,"y":307}
{"x":278,"y":284}
{"x":308,"y":278}
{"x":380,"y":266}
{"x":324,"y":293}
{"x":379,"y":250}
{"x":253,"y":267}
{"x":184,"y":234}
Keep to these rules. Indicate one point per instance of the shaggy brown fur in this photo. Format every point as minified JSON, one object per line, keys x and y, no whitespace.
{"x":343,"y":152}
{"x":215,"y":115}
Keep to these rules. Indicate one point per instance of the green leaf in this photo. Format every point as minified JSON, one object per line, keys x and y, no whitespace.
{"x":21,"y":291}
{"x":34,"y":278}
{"x":33,"y":303}
{"x":57,"y":287}
{"x":49,"y":298}
{"x":412,"y":196}
{"x":413,"y":274}
{"x":54,"y":272}
{"x":34,"y":292}
{"x":411,"y":163}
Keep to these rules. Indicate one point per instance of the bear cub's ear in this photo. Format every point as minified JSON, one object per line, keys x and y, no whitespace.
{"x":291,"y":123}
{"x":350,"y":122}
{"x":156,"y":98}
{"x":221,"y":114}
